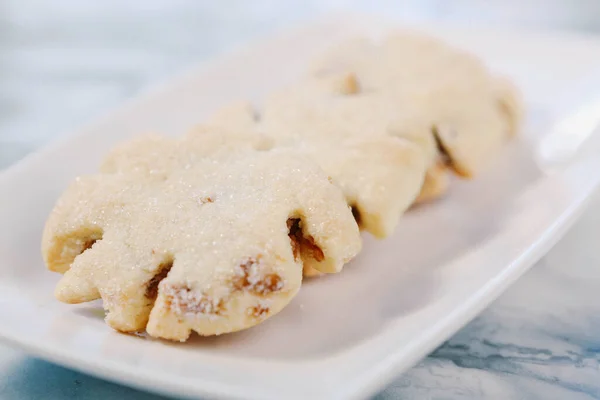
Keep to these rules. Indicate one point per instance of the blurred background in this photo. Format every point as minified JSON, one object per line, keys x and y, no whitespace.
{"x":63,"y":62}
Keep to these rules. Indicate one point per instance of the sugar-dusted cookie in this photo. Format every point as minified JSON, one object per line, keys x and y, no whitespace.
{"x":358,"y":138}
{"x":375,"y":155}
{"x":213,"y":246}
{"x":469,"y":111}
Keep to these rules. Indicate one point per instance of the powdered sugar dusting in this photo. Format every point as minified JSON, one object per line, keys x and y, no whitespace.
{"x":183,"y":300}
{"x":252,"y":275}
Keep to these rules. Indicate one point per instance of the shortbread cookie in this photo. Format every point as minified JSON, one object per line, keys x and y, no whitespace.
{"x":470,"y":112}
{"x":215,"y":246}
{"x":378,"y":162}
{"x":352,"y":136}
{"x":155,"y":157}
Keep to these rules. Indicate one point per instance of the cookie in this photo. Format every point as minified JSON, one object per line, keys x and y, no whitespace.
{"x":213,"y":246}
{"x":351,"y":135}
{"x":470,"y":112}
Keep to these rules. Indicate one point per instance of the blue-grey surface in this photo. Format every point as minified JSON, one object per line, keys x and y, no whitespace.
{"x":63,"y":62}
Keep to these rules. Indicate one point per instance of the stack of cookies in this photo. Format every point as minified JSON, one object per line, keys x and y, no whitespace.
{"x":213,"y":232}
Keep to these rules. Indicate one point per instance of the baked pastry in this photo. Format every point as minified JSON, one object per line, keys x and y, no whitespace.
{"x":469,"y":111}
{"x":213,"y":246}
{"x":351,"y":135}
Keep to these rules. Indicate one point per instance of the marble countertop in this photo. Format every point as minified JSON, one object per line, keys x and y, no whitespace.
{"x":65,"y":62}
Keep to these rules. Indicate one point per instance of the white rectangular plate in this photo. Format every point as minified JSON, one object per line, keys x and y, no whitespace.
{"x":344,"y":336}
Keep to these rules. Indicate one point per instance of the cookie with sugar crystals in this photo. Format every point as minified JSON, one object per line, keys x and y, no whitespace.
{"x":359,"y":139}
{"x":470,"y":112}
{"x":375,"y":155}
{"x":215,"y":246}
{"x":156,"y":157}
